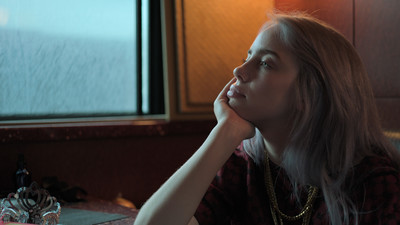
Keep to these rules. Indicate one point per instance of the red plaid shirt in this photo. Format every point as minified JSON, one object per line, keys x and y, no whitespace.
{"x":237,"y":196}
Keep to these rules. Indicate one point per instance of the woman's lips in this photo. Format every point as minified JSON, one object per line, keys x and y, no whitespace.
{"x":234,"y":92}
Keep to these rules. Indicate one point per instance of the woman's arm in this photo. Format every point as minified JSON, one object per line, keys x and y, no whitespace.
{"x":178,"y":198}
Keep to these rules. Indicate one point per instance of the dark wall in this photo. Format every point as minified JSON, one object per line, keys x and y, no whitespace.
{"x":378,"y":42}
{"x":132,"y":160}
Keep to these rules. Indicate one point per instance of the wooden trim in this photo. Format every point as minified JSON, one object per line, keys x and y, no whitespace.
{"x":101,"y":130}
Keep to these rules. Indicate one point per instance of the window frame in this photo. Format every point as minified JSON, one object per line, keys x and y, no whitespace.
{"x":158,"y":113}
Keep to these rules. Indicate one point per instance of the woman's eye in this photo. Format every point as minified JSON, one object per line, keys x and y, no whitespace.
{"x":265,"y":63}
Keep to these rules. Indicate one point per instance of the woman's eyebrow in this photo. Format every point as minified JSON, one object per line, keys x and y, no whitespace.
{"x":265,"y":51}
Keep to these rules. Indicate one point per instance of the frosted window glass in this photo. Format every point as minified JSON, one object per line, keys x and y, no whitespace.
{"x":67,"y":57}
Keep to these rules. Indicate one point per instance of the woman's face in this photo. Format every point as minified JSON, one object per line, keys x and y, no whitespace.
{"x":264,"y":90}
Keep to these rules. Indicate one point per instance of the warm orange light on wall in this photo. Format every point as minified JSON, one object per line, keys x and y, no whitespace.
{"x":213,"y":37}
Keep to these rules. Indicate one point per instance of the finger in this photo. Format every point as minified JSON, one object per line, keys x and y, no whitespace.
{"x":222,"y":94}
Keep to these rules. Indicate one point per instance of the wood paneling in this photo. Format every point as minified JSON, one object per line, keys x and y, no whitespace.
{"x":389,"y":112}
{"x":213,"y":37}
{"x":378,"y":42}
{"x":377,"y":32}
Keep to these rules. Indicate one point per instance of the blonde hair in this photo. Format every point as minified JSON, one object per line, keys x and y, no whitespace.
{"x":335,"y":121}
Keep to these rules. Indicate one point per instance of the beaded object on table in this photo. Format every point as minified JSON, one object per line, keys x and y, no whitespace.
{"x":30,"y":205}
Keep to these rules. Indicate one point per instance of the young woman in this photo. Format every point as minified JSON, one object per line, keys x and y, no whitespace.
{"x":298,"y":141}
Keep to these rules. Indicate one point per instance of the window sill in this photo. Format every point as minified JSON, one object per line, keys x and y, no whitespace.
{"x":100,"y":129}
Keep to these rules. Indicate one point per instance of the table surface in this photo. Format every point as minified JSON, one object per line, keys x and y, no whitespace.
{"x":107,"y":207}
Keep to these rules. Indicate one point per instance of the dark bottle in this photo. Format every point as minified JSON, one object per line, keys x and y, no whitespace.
{"x":23,"y":177}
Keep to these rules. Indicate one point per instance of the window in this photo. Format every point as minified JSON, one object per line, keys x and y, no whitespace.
{"x":79,"y":58}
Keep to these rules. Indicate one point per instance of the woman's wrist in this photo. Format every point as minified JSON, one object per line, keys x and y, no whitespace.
{"x":235,"y":132}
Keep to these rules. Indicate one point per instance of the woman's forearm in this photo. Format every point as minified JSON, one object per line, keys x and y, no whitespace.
{"x":178,"y":198}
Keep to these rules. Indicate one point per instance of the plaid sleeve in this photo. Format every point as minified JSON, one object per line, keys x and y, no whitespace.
{"x":223,"y":197}
{"x":380,"y":195}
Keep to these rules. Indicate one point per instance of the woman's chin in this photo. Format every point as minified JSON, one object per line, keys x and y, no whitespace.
{"x":238,"y":108}
{"x":233,"y":104}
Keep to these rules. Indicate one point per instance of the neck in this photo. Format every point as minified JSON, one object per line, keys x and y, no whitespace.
{"x":274,"y":152}
{"x":275,"y":141}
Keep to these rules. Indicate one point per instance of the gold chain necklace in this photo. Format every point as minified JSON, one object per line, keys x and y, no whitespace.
{"x":277,"y":214}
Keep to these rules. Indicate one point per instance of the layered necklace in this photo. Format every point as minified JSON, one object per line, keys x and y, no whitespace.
{"x":277,"y":215}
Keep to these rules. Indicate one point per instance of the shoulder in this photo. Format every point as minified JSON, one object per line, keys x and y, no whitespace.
{"x":377,"y":193}
{"x":239,"y":157}
{"x":376,"y":166}
{"x":378,"y":186}
{"x":236,"y":162}
{"x":236,"y":169}
{"x":376,"y":169}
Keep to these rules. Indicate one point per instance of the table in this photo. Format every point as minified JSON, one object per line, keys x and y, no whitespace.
{"x":98,"y":205}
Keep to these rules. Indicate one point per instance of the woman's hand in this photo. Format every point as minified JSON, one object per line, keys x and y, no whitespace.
{"x":226,"y":115}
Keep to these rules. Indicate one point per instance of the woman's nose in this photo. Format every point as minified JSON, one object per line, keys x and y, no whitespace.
{"x":240,"y":74}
